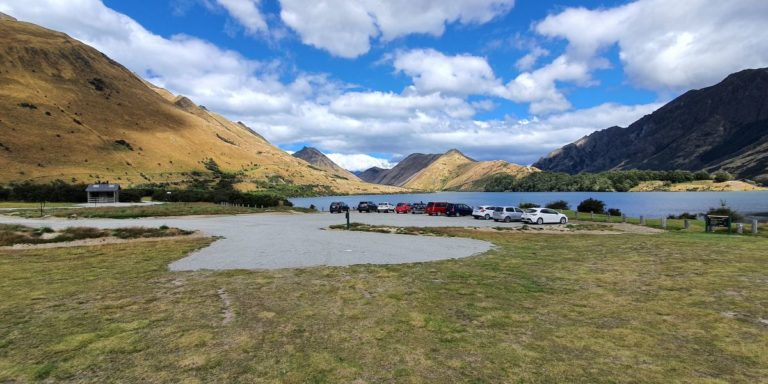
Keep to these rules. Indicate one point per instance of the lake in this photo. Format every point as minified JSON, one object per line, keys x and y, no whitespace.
{"x":649,"y":204}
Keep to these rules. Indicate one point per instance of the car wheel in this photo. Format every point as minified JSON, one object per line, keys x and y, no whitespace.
{"x":540,"y":221}
{"x":507,"y":219}
{"x":563,"y":220}
{"x":487,"y":216}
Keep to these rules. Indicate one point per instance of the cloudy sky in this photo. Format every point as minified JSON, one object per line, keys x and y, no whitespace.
{"x":371,"y":81}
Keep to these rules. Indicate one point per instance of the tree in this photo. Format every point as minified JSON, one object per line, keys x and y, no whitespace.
{"x":702,"y":175}
{"x":559,"y":204}
{"x":722,"y":176}
{"x":591,"y":205}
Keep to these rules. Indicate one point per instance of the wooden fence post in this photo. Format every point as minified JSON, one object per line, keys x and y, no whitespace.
{"x":663,"y":223}
{"x":754,"y":226}
{"x":739,"y":228}
{"x":686,"y":224}
{"x":592,"y":215}
{"x":642,"y":220}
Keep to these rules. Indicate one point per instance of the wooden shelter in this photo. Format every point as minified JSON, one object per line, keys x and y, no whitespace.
{"x":103,"y":193}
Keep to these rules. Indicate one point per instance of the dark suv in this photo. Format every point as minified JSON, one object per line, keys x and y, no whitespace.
{"x":367,"y":206}
{"x":453,"y":209}
{"x":338,"y":207}
{"x":418,"y":208}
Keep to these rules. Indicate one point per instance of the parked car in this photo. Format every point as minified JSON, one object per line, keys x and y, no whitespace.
{"x":403,"y":208}
{"x":454,"y":209}
{"x":544,"y":215}
{"x":339,"y":207}
{"x":507,"y":214}
{"x":484,"y":212}
{"x":367,"y":206}
{"x":385,"y":207}
{"x":436,"y":209}
{"x":418,"y":208}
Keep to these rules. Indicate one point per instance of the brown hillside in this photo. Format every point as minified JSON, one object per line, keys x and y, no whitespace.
{"x":69,"y":112}
{"x":456,"y":171}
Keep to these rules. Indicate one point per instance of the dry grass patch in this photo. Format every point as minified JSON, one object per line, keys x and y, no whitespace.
{"x":597,"y":309}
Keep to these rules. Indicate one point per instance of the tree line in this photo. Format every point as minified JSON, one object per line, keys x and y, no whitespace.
{"x":609,"y":181}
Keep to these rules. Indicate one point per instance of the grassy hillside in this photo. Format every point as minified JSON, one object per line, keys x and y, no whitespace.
{"x":69,"y":112}
{"x":456,"y":171}
{"x":696,"y":186}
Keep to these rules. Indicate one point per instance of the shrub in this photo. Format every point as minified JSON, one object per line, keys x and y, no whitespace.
{"x":131,"y":195}
{"x":528,"y":205}
{"x":684,"y":215}
{"x":702,"y":175}
{"x":614,"y":212}
{"x":559,"y":204}
{"x":722,"y":176}
{"x":591,"y":205}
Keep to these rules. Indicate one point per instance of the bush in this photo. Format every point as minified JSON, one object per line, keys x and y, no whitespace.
{"x":131,"y":195}
{"x":559,"y":204}
{"x":528,"y":205}
{"x":591,"y":205}
{"x":683,"y":216}
{"x":722,"y":176}
{"x":614,"y":212}
{"x":221,"y":196}
{"x":702,"y":175}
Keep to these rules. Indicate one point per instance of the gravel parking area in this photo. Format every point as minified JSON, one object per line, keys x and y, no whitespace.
{"x":272,"y":241}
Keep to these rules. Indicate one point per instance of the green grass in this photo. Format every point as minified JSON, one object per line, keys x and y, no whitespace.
{"x":594,"y":309}
{"x":168,"y":209}
{"x":674,"y":225}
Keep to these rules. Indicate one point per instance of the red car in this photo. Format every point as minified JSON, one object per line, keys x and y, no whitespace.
{"x":436,"y":209}
{"x":403,"y":208}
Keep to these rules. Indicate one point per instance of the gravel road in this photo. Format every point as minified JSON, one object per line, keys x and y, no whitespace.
{"x":273,"y":241}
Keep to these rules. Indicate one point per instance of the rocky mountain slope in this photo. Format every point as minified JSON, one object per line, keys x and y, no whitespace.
{"x":401,"y":172}
{"x":69,"y":112}
{"x":319,"y":160}
{"x":724,"y":126}
{"x":455,"y":171}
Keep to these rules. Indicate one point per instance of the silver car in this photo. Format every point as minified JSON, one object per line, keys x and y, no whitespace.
{"x":507,"y":214}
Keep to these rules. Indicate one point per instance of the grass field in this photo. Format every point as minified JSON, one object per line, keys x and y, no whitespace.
{"x":538,"y":308}
{"x":28,"y":205}
{"x":159,"y":210}
{"x":674,"y":225}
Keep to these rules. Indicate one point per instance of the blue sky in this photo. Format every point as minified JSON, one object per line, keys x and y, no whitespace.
{"x":369,"y":82}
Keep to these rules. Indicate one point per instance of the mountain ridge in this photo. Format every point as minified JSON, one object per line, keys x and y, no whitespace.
{"x":723,"y":126}
{"x":71,"y":113}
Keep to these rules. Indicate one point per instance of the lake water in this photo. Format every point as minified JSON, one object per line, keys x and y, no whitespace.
{"x":649,"y":204}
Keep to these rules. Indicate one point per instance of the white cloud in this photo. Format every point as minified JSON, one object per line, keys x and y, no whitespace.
{"x":667,"y":45}
{"x":314,"y":109}
{"x":433,"y":71}
{"x":359,"y":161}
{"x":247,"y":13}
{"x":539,"y":87}
{"x":345,"y":27}
{"x":528,"y":61}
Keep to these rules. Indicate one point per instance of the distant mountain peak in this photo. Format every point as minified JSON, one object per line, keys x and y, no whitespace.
{"x":318,"y":159}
